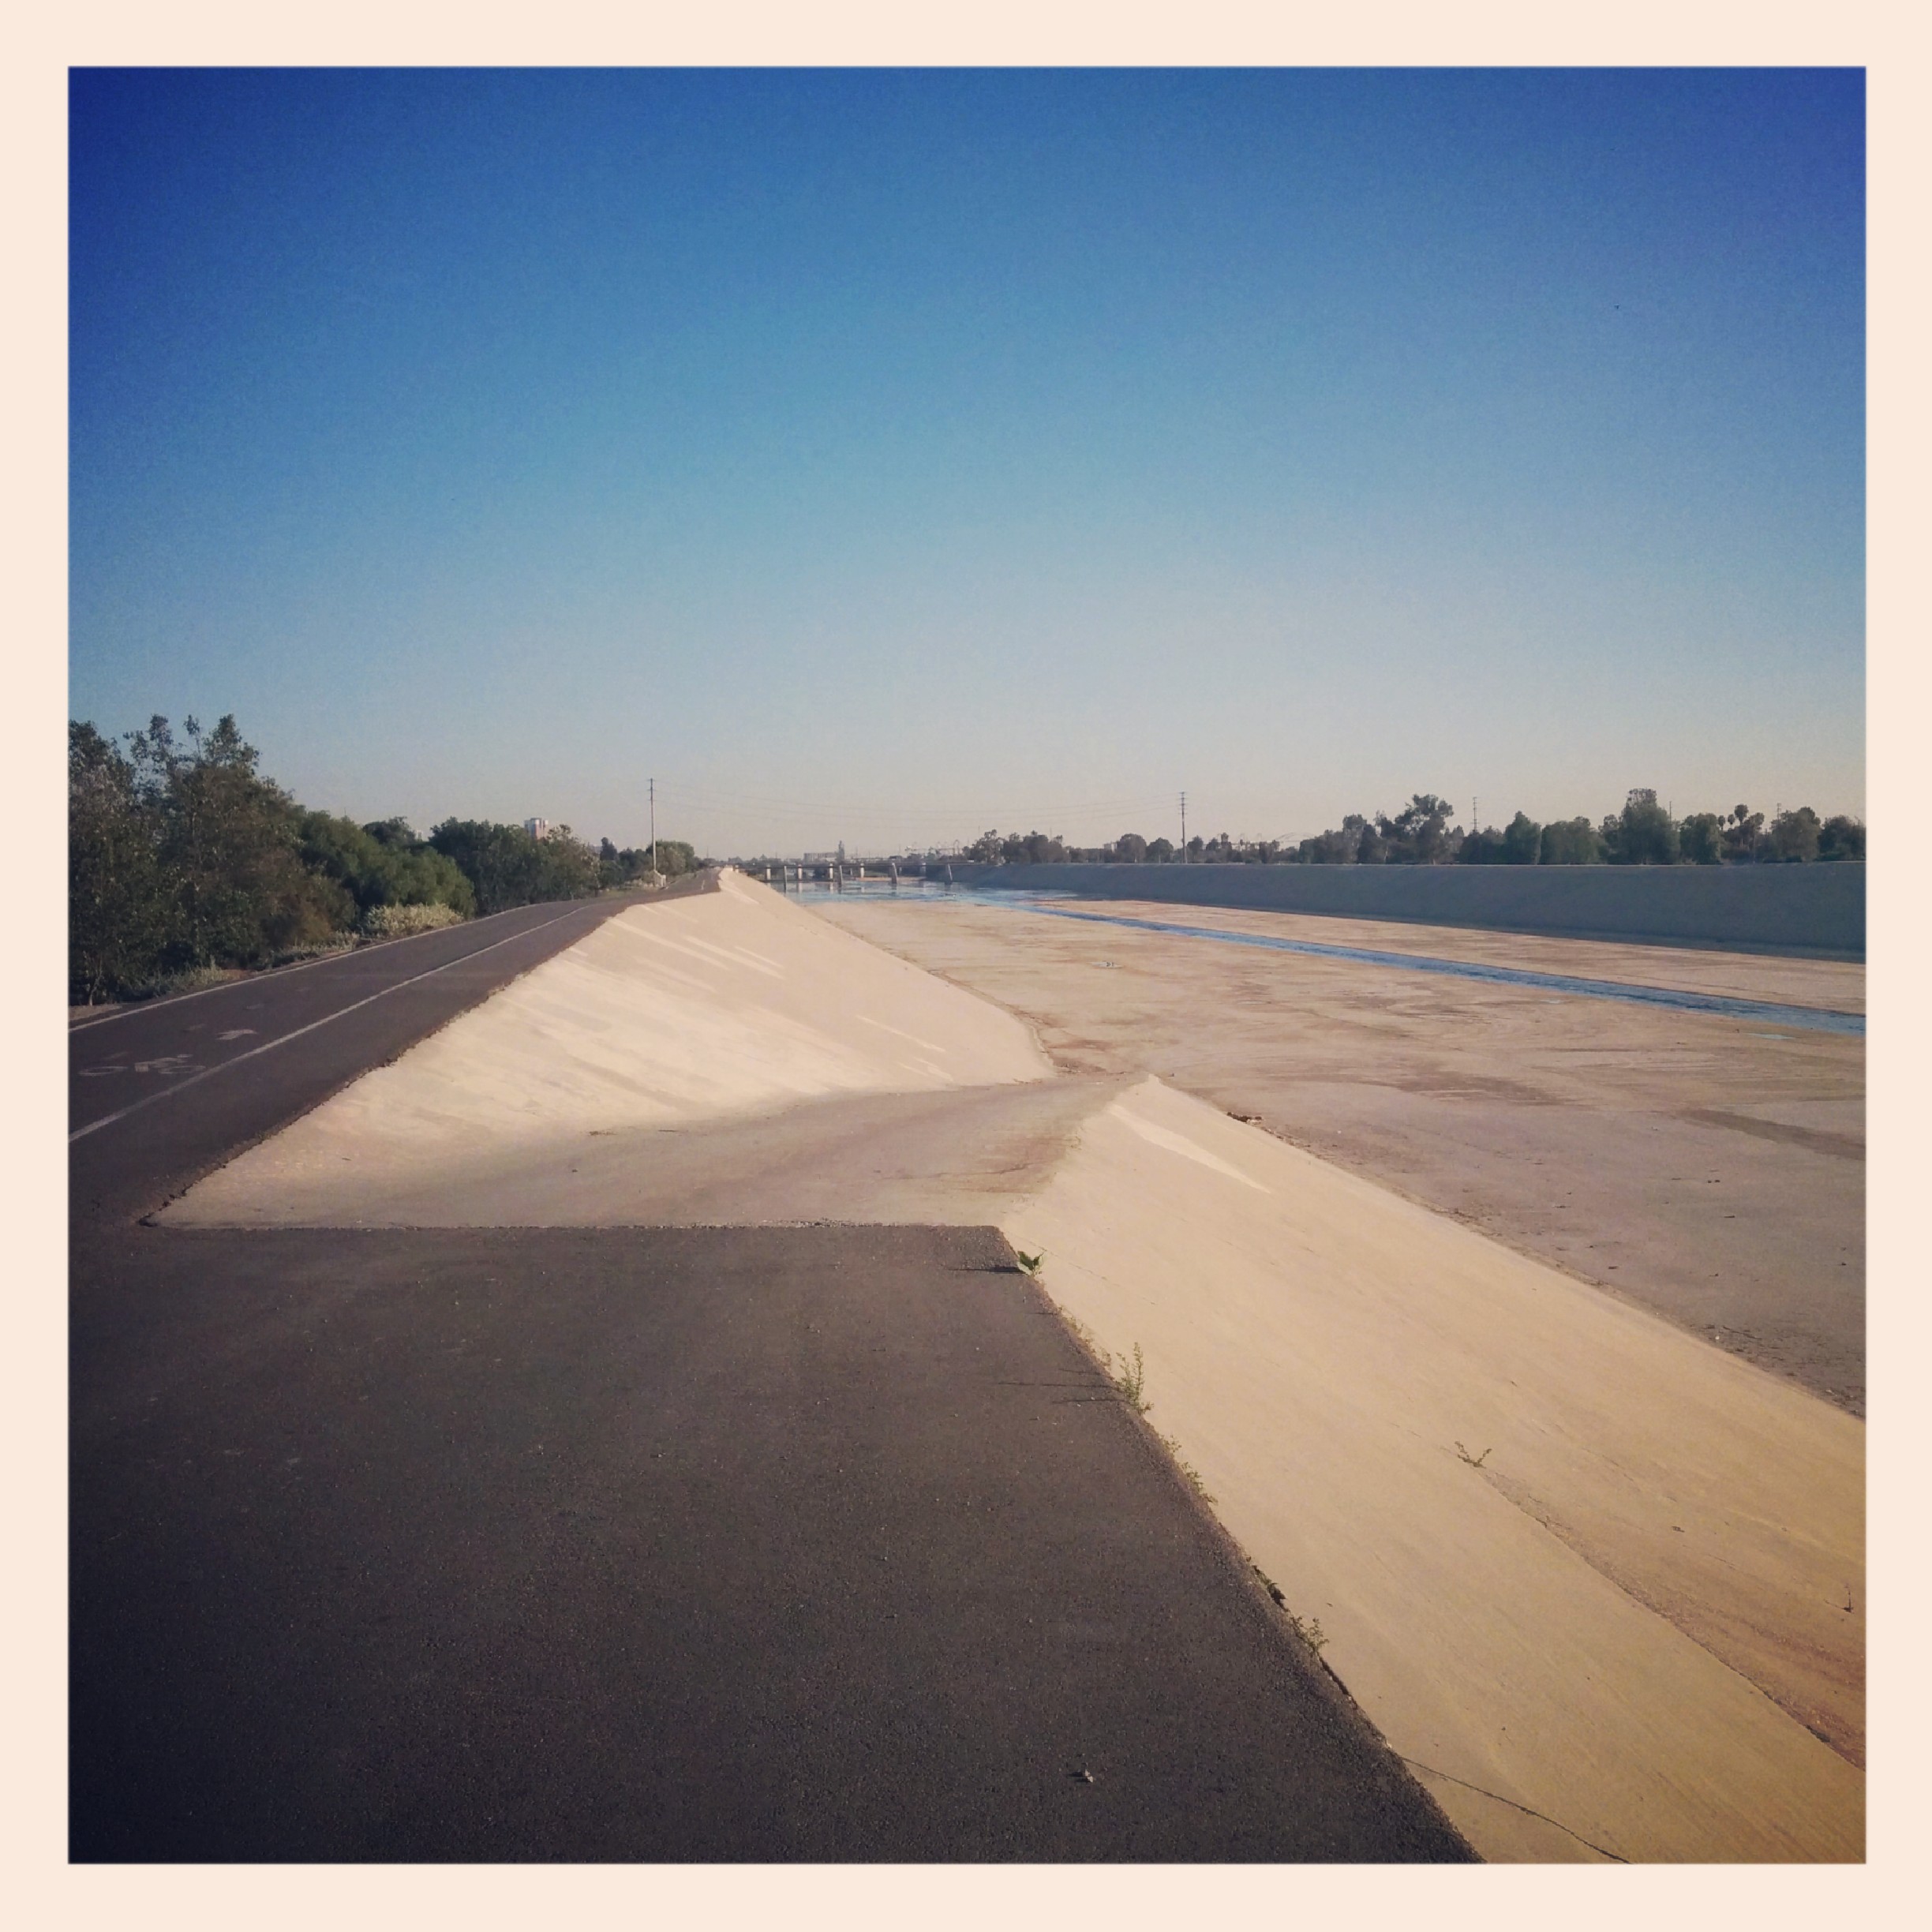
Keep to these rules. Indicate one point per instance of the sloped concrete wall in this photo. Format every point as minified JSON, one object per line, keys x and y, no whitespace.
{"x":1799,"y":909}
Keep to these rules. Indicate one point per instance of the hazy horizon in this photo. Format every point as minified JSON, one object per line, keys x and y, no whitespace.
{"x":888,"y":456}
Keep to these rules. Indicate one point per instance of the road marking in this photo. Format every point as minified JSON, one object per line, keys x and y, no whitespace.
{"x":107,"y":1120}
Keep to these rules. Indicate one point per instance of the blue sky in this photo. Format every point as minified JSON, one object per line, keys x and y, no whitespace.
{"x":885,"y":456}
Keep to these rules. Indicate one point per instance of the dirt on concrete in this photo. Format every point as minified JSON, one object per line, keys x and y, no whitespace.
{"x":1602,"y":1586}
{"x":1711,"y":1169}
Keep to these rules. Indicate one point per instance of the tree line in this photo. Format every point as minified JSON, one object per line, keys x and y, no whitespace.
{"x":184,"y":861}
{"x":1644,"y":832}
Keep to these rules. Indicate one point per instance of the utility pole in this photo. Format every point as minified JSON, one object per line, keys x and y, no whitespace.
{"x":1184,"y":828}
{"x":654,"y":822}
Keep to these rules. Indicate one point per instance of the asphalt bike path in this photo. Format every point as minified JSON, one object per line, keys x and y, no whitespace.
{"x":260,"y":1051}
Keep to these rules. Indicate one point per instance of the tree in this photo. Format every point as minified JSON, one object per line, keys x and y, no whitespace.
{"x":1418,"y":834}
{"x":1641,"y":834}
{"x":1522,"y":840}
{"x":1336,"y":847}
{"x":228,"y":848}
{"x":1160,"y":851}
{"x":395,"y":868}
{"x":116,"y":904}
{"x":1700,"y":839}
{"x":1029,"y":848}
{"x":1130,"y":849}
{"x":1483,"y":847}
{"x":569,"y":867}
{"x":1744,"y":836}
{"x":503,"y":862}
{"x":1840,"y":837}
{"x":505,"y":867}
{"x":1794,"y":835}
{"x":1571,"y":841}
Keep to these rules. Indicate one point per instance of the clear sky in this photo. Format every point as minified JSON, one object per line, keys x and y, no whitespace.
{"x":887,"y":456}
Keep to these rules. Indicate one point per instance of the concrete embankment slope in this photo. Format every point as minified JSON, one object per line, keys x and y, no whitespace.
{"x":1568,"y":1557}
{"x":1600,"y":1584}
{"x":582,"y":1081}
{"x":1807,"y":910}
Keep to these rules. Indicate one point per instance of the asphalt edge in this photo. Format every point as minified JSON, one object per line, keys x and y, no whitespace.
{"x":1263,"y":1596}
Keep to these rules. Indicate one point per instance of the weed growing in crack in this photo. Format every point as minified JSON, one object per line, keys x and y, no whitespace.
{"x":1128,"y":1382}
{"x":1084,"y":1336}
{"x":1308,"y":1630}
{"x":1187,"y":1469}
{"x":1473,"y":1462}
{"x":1131,"y":1382}
{"x":1030,"y":1264}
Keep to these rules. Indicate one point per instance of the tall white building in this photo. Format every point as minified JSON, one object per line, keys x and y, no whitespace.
{"x":537,"y":827}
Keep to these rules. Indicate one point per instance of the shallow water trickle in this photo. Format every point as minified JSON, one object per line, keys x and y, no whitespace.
{"x":1811,"y":1019}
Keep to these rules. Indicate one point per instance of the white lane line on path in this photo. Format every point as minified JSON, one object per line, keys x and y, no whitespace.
{"x":107,"y":1120}
{"x":275,"y":973}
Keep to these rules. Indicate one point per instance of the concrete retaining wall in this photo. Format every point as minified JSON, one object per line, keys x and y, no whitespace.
{"x":1808,"y":910}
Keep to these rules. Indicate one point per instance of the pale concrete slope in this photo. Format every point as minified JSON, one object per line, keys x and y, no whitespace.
{"x":728,"y":1006}
{"x":958,"y":1158}
{"x":1561,"y":1550}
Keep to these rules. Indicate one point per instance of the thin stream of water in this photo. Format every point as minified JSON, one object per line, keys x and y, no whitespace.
{"x":1810,"y":1019}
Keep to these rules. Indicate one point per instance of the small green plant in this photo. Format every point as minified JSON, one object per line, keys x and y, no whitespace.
{"x":1310,"y":1631}
{"x":1131,"y":1382}
{"x":1187,"y":1469}
{"x":1128,"y":1382}
{"x":1473,"y":1462}
{"x":1029,"y":1263}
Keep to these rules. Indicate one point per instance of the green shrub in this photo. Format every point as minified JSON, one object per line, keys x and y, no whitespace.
{"x":190,"y":979}
{"x":397,"y":921}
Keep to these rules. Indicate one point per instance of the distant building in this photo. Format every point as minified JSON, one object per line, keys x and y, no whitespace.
{"x":537,"y":827}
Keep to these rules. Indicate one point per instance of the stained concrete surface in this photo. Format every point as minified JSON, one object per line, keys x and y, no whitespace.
{"x":1708,"y":1169}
